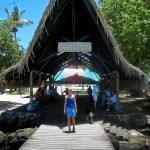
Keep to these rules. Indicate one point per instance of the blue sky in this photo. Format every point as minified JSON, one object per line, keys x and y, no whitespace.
{"x":34,"y":10}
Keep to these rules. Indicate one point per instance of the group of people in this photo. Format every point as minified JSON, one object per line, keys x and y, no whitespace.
{"x":107,"y":97}
{"x":43,"y":97}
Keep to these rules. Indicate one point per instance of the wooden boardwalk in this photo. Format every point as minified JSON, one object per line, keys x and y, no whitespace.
{"x":87,"y":137}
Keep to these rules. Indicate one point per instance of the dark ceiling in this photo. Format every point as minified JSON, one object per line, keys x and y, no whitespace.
{"x":72,"y":23}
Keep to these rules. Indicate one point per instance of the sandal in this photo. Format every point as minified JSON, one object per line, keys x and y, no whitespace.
{"x":73,"y":131}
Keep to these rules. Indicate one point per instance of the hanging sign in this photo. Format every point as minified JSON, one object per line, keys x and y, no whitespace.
{"x":74,"y":47}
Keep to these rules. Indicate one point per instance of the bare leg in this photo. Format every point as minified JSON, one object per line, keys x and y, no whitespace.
{"x":68,"y":122}
{"x":108,"y":103}
{"x":73,"y":123}
{"x":95,"y":104}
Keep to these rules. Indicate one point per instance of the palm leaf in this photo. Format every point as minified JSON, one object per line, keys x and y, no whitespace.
{"x":21,"y":14}
{"x":7,"y":12}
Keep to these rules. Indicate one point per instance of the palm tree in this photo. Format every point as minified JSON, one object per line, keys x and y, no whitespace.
{"x":16,"y":19}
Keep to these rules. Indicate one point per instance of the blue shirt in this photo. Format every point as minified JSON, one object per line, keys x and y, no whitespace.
{"x":70,"y":102}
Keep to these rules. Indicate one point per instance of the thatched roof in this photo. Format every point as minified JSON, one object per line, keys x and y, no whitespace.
{"x":69,"y":20}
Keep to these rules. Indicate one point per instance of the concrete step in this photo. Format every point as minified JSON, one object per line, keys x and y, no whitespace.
{"x":122,"y":134}
{"x":135,"y":133}
{"x":117,"y":119}
{"x":106,"y":127}
{"x":111,"y":127}
{"x":148,"y":119}
{"x":119,"y":134}
{"x":125,"y":134}
{"x":113,"y":130}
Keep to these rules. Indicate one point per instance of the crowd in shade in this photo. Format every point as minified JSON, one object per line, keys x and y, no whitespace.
{"x":42,"y":97}
{"x":106,"y":97}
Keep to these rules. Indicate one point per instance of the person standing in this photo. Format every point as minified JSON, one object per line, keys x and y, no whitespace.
{"x":95,"y":95}
{"x":89,"y":91}
{"x":70,"y":109}
{"x":66,"y":91}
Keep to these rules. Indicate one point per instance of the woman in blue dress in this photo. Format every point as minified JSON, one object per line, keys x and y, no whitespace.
{"x":70,"y":109}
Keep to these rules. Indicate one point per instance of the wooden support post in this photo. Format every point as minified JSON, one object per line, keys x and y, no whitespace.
{"x":49,"y":81}
{"x":2,"y":87}
{"x":117,"y":87}
{"x":45,"y":86}
{"x":82,"y":86}
{"x":21,"y":91}
{"x":61,"y":90}
{"x":31,"y":87}
{"x":53,"y":81}
{"x":39,"y":80}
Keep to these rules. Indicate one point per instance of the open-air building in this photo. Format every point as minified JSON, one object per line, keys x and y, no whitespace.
{"x":71,"y":33}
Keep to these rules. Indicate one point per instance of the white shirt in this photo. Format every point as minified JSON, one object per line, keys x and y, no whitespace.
{"x":95,"y":90}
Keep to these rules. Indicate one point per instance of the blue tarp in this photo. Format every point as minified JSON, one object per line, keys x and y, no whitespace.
{"x":76,"y":74}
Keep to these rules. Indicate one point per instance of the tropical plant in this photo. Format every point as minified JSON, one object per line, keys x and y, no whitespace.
{"x":16,"y":18}
{"x":10,"y":51}
{"x":130,"y":22}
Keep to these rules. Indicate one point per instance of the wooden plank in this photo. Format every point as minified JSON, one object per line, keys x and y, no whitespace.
{"x":52,"y":138}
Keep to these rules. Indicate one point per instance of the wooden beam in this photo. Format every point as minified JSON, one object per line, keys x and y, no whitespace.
{"x":59,"y":74}
{"x":45,"y":85}
{"x":44,"y":64}
{"x":58,"y":61}
{"x":62,"y":67}
{"x":102,"y":59}
{"x":83,"y":38}
{"x":49,"y":57}
{"x":49,"y":82}
{"x":98,"y":58}
{"x":39,"y":85}
{"x":65,"y":39}
{"x":94,"y":61}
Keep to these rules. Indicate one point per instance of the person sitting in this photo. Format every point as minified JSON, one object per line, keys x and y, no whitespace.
{"x":111,"y":101}
{"x":103,"y":99}
{"x":108,"y":93}
{"x":38,"y":94}
{"x":53,"y":94}
{"x":44,"y":98}
{"x":36,"y":101}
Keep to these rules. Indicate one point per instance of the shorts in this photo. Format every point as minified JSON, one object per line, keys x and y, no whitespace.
{"x":95,"y":97}
{"x":113,"y":103}
{"x":70,"y":112}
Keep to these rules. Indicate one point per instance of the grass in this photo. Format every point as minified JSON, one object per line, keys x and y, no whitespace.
{"x":142,"y":105}
{"x":17,"y":93}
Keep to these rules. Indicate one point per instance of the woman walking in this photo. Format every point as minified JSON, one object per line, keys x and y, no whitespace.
{"x":70,"y":109}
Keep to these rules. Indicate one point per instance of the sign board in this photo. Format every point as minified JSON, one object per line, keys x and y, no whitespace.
{"x":74,"y":47}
